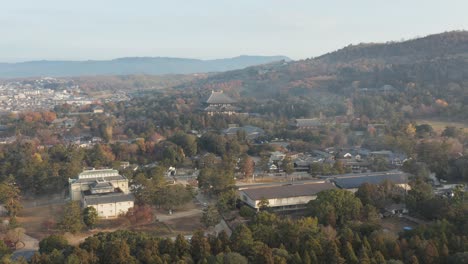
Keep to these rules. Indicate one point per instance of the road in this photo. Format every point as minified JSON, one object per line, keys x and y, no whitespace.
{"x":31,"y":245}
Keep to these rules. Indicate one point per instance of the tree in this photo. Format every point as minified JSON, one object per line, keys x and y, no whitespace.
{"x":200,"y":246}
{"x":262,"y":253}
{"x":4,"y":250}
{"x":210,"y":216}
{"x":10,"y":196}
{"x":215,"y":180}
{"x":247,"y":166}
{"x":227,"y":201}
{"x":242,"y":239}
{"x":182,"y":246}
{"x":72,"y":220}
{"x":187,"y":142}
{"x":231,"y":258}
{"x":349,"y":254}
{"x":332,"y":254}
{"x":263,"y":204}
{"x":48,"y":244}
{"x":90,"y":216}
{"x":15,"y":235}
{"x":336,"y":205}
{"x":117,"y":252}
{"x":287,"y":165}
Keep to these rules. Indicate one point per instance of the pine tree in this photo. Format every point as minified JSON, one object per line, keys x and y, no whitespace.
{"x":182,"y":246}
{"x":396,"y":253}
{"x":413,"y":260}
{"x":430,"y":253}
{"x":332,"y":254}
{"x":349,"y":254}
{"x":72,"y":220}
{"x":363,"y":257}
{"x":305,"y":258}
{"x":378,"y":257}
{"x":200,"y":246}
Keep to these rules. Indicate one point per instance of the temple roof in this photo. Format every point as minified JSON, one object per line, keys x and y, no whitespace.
{"x":219,"y":98}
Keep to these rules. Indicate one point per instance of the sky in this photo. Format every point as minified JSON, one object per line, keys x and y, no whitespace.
{"x":209,"y":29}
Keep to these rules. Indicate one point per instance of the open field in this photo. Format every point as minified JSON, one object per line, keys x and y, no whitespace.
{"x":440,"y":125}
{"x":396,"y":224}
{"x":33,"y":218}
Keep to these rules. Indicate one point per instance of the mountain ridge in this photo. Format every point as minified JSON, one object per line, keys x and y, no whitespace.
{"x":130,"y":65}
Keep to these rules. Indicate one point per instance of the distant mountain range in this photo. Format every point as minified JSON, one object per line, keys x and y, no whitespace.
{"x":133,"y":65}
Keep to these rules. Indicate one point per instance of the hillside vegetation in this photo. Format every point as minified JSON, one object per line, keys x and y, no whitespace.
{"x":429,"y":76}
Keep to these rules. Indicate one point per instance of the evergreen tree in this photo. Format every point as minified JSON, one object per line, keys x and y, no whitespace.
{"x":182,"y":246}
{"x":378,"y":257}
{"x":117,"y":252}
{"x":72,"y":220}
{"x":242,"y":240}
{"x":363,"y":257}
{"x":332,"y":254}
{"x":90,"y":216}
{"x":200,"y":246}
{"x":413,"y":260}
{"x":211,"y":216}
{"x":349,"y":254}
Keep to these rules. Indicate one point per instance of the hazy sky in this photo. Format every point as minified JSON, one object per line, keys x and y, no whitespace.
{"x":205,"y":29}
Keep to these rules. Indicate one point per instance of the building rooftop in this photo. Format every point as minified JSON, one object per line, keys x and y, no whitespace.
{"x":115,"y":197}
{"x":97,"y":178}
{"x":351,"y":182}
{"x":251,"y":131}
{"x":286,"y":191}
{"x":219,"y":98}
{"x":98,"y":173}
{"x":307,"y":122}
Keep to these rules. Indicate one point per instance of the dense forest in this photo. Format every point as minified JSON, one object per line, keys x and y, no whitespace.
{"x":342,"y":228}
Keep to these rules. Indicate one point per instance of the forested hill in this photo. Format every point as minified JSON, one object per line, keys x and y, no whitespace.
{"x":432,"y":46}
{"x":427,"y":72}
{"x":126,"y":66}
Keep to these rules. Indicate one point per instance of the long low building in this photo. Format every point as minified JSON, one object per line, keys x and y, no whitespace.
{"x":284,"y":197}
{"x":351,"y":182}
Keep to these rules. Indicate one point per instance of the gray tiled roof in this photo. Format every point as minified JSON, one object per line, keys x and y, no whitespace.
{"x":108,"y":198}
{"x":308,"y":122}
{"x":286,"y":191}
{"x":219,"y":98}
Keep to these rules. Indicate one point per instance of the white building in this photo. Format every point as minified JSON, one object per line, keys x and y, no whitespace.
{"x":106,"y":190}
{"x":110,"y":205}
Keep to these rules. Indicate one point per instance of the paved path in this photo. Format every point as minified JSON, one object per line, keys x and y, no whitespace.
{"x":175,"y":215}
{"x":31,"y":245}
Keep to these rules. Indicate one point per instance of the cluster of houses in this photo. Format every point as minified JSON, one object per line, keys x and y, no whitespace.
{"x":356,"y":160}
